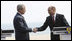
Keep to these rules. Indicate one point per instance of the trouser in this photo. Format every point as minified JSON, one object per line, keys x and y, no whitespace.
{"x":55,"y":37}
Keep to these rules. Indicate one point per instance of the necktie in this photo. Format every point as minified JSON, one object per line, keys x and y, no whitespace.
{"x":53,"y":19}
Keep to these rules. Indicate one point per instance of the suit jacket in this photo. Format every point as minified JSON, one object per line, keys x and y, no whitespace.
{"x":21,"y":28}
{"x":60,"y":21}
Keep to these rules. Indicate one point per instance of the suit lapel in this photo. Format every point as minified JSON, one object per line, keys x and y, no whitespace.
{"x":56,"y":18}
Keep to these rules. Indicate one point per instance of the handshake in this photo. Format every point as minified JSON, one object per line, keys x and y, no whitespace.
{"x":35,"y":30}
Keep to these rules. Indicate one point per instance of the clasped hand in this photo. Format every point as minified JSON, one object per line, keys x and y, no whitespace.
{"x":35,"y":30}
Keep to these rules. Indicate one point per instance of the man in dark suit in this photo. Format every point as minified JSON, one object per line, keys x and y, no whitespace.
{"x":21,"y":28}
{"x":54,"y":20}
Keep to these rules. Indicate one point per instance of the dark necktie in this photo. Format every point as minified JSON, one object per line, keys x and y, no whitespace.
{"x":53,"y":19}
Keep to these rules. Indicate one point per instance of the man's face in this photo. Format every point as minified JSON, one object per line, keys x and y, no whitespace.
{"x":51,"y":11}
{"x":22,"y":11}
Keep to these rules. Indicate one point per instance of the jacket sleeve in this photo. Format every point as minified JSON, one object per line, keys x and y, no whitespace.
{"x":45,"y":25}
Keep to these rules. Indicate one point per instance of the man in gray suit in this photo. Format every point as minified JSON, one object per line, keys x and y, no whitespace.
{"x":21,"y":28}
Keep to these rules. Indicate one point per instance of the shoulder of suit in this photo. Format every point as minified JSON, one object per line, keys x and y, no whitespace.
{"x":18,"y":17}
{"x":47,"y":17}
{"x":59,"y":14}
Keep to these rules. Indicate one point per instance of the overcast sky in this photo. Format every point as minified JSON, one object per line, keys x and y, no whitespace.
{"x":36,"y":11}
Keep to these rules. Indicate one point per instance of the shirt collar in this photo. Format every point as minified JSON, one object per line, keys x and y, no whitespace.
{"x":54,"y":15}
{"x":20,"y":14}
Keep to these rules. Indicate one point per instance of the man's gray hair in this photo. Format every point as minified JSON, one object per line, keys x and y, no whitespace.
{"x":19,"y":7}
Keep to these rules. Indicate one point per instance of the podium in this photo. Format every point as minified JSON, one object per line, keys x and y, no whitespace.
{"x":63,"y":32}
{"x":6,"y":33}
